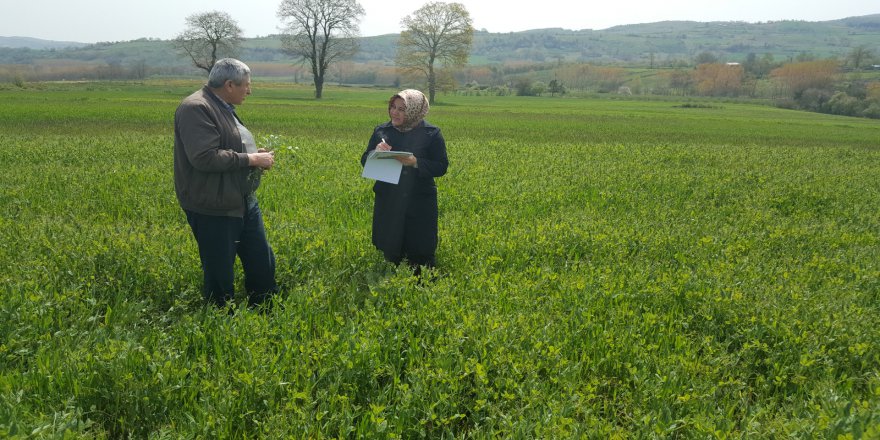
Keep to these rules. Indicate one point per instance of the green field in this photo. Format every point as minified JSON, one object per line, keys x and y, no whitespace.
{"x":607,"y":269}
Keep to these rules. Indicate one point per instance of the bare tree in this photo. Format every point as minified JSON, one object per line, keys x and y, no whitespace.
{"x":435,"y":32}
{"x":321,"y":32}
{"x":208,"y":37}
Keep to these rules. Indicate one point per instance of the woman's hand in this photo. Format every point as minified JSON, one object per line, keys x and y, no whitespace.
{"x":408,"y":161}
{"x":382,"y":146}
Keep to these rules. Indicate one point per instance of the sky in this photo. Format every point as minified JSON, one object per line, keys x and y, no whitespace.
{"x":91,"y":21}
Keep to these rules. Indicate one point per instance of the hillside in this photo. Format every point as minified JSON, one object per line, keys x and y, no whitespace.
{"x":672,"y":41}
{"x":36,"y":43}
{"x":660,"y":43}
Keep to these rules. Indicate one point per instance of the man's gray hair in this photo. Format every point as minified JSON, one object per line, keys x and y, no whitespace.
{"x":226,"y":69}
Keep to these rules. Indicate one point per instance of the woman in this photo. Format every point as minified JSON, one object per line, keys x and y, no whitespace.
{"x":405,"y":215}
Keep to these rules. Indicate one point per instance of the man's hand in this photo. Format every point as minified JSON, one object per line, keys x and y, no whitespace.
{"x":262,"y":159}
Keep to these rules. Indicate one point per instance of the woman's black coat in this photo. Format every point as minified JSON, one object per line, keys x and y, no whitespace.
{"x":405,"y":215}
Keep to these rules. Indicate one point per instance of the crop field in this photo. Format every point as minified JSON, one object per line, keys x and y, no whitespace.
{"x":607,"y":268}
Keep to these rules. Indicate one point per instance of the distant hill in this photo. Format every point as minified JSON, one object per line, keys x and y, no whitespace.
{"x":667,"y":43}
{"x":36,"y":43}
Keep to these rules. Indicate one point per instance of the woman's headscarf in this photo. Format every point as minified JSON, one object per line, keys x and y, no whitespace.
{"x":416,"y":107}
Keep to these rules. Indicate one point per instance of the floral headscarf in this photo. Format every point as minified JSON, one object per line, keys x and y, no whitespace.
{"x":416,"y":107}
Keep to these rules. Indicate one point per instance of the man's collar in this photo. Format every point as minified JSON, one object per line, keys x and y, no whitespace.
{"x":220,"y":100}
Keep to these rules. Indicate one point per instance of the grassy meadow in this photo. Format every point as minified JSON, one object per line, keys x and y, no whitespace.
{"x":608,"y":268}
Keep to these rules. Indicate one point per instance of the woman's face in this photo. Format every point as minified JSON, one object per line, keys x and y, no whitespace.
{"x":397,"y":111}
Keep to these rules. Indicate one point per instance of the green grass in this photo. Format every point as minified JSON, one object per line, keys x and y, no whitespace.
{"x":607,"y":268}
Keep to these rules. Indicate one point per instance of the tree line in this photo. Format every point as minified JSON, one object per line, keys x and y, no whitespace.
{"x":848,"y":87}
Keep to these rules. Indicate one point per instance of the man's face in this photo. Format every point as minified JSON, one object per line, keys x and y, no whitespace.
{"x":235,"y":94}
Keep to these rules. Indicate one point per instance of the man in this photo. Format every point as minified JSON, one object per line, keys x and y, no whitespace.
{"x":217,"y":170}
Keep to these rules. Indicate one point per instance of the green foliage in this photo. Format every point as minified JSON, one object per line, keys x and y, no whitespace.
{"x":606,"y":269}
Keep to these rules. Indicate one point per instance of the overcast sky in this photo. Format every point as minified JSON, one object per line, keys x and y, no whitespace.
{"x":90,"y":21}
